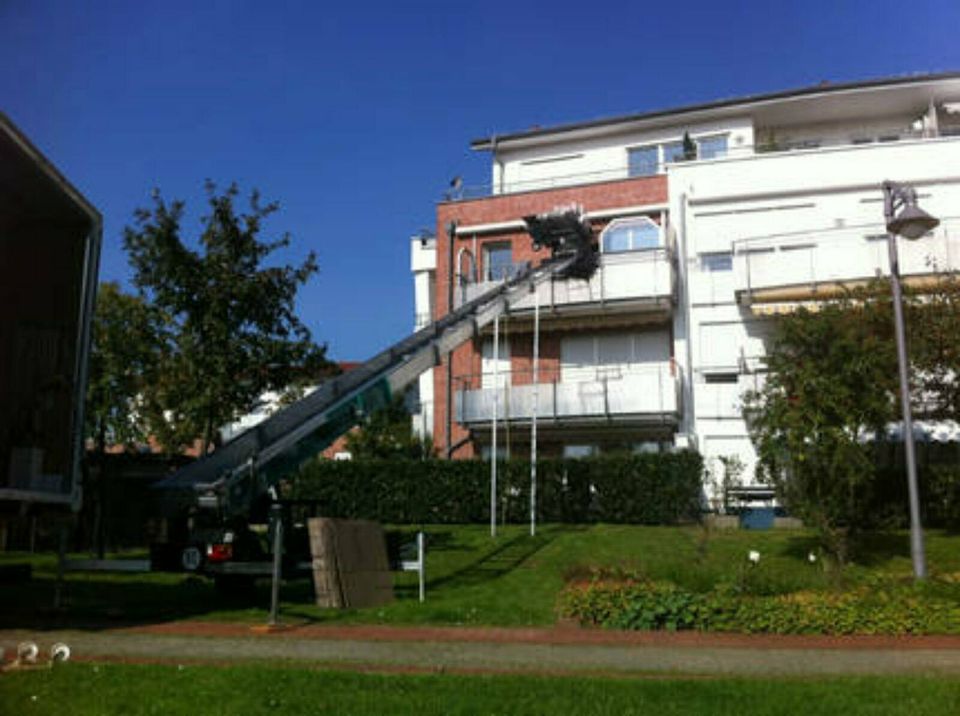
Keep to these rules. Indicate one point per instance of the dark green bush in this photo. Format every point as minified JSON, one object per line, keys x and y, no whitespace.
{"x":885,"y":606}
{"x":643,"y":489}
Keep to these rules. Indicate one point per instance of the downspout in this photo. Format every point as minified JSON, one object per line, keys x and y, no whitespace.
{"x":448,"y":431}
{"x":88,"y":293}
{"x":689,"y":407}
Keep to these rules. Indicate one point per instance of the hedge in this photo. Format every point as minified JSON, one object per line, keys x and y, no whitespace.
{"x":885,"y":606}
{"x":652,"y":489}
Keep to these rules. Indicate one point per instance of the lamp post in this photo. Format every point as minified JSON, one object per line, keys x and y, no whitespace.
{"x":904,"y":218}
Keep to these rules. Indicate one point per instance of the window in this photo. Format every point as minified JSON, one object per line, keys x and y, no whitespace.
{"x":497,"y":261}
{"x":630,"y":235}
{"x":499,"y":367}
{"x":721,"y":261}
{"x":486,"y":451}
{"x":712,"y":147}
{"x":719,"y":378}
{"x":643,"y":161}
{"x":649,"y":160}
{"x":577,"y":451}
{"x":646,"y":447}
{"x":673,"y":152}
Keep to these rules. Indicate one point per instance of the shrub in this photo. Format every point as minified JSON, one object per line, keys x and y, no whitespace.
{"x":883,"y":606}
{"x":645,"y":489}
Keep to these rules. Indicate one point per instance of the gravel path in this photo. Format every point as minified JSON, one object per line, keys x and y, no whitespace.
{"x":532,"y":651}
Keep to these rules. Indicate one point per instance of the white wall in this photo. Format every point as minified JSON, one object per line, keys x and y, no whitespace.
{"x":423,"y":264}
{"x":815,"y":193}
{"x":576,"y":162}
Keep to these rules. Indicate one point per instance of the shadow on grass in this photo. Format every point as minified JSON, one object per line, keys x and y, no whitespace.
{"x":100,"y":603}
{"x":504,"y":558}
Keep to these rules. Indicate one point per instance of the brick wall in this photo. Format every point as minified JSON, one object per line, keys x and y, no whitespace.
{"x":511,"y":207}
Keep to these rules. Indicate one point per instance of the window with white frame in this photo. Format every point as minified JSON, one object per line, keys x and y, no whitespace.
{"x":643,"y":161}
{"x":717,"y":261}
{"x":498,"y":261}
{"x":712,"y":147}
{"x":652,"y":158}
{"x":589,"y":357}
{"x":495,"y":365}
{"x":635,"y":234}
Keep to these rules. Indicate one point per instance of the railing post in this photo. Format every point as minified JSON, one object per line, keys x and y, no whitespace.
{"x":533,"y":422}
{"x":493,"y":434}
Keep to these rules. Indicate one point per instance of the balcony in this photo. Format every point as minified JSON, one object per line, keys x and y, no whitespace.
{"x":634,"y":280}
{"x":650,"y":394}
{"x":816,"y":265}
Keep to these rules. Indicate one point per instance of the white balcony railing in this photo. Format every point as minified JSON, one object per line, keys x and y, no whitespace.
{"x":812,"y":260}
{"x":650,"y":392}
{"x":628,"y":276}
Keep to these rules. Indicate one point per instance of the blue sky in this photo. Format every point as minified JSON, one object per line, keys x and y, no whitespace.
{"x":356,"y":115}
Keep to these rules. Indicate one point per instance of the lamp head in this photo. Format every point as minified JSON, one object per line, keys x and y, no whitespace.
{"x":912,"y":222}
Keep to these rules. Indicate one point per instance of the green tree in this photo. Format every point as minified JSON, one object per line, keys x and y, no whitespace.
{"x":831,"y":379}
{"x":124,"y":357}
{"x":232,"y":331}
{"x":933,"y":323}
{"x":388,"y":433}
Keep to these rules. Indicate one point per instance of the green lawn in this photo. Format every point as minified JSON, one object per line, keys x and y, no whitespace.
{"x":472,"y":579}
{"x":79,"y":689}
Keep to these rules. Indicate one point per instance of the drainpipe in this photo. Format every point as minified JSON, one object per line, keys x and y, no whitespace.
{"x":451,"y":236}
{"x":688,"y":407}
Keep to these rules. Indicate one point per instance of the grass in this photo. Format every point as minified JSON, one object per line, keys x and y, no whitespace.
{"x":472,"y":579}
{"x":131,"y":690}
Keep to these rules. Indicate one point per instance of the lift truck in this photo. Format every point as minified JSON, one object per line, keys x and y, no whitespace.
{"x":224,"y":494}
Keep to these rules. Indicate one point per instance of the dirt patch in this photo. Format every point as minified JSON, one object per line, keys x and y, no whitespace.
{"x":563,"y":635}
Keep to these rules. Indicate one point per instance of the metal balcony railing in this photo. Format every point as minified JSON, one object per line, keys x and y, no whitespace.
{"x":622,"y":170}
{"x":811,"y":260}
{"x":650,"y":392}
{"x":630,"y":275}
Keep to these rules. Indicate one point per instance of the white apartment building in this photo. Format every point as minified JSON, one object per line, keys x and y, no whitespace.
{"x":710,"y":220}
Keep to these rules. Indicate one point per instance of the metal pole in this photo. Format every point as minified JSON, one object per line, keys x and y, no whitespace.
{"x":421,"y":566}
{"x":533,"y":420}
{"x":448,"y":398}
{"x":916,"y":530}
{"x":277,"y":552}
{"x":493,"y":437}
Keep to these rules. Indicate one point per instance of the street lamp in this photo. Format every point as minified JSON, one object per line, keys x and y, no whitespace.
{"x":904,"y":218}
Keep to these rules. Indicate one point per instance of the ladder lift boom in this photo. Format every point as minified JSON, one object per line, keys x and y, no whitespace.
{"x":233,"y":477}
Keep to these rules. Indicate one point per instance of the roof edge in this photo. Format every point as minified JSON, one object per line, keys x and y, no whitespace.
{"x":48,"y":167}
{"x":488,"y":143}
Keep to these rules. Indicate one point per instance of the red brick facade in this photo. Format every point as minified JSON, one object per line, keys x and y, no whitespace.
{"x":508,"y":208}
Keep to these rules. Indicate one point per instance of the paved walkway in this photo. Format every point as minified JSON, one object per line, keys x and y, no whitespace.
{"x":551,"y":651}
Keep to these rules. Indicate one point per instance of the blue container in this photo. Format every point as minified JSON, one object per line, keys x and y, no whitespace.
{"x":757,"y":518}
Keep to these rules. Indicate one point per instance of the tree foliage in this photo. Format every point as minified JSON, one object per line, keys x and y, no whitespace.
{"x":124,"y":359}
{"x":831,"y":389}
{"x":388,"y":434}
{"x":231,"y":331}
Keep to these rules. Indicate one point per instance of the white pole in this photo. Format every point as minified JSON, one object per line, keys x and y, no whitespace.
{"x":493,"y":436}
{"x":421,"y":566}
{"x":533,"y":421}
